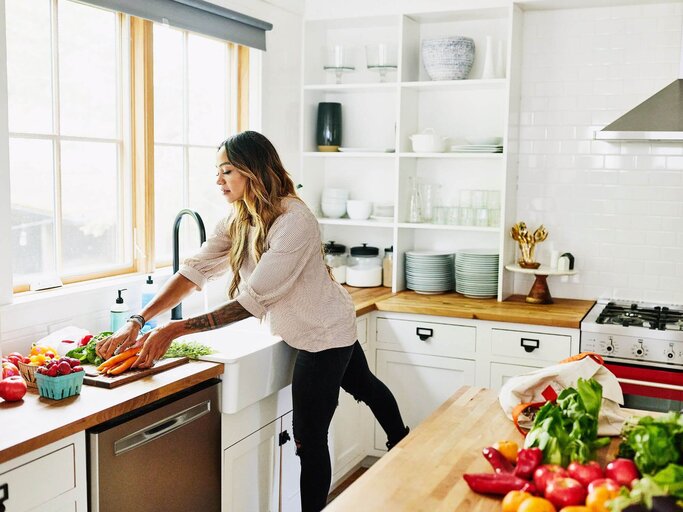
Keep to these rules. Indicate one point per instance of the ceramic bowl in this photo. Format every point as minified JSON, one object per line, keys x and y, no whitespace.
{"x":358,"y":209}
{"x":448,"y":58}
{"x":333,"y":210}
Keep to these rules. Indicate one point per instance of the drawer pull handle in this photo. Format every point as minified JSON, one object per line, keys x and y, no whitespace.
{"x":4,"y":496}
{"x":529,"y":344}
{"x":423,"y":333}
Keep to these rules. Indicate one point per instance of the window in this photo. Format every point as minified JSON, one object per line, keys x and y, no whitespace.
{"x":74,"y":191}
{"x":192,"y":115}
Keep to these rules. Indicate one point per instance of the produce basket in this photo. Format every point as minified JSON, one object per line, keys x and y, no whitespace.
{"x":28,"y":372}
{"x":60,"y":387}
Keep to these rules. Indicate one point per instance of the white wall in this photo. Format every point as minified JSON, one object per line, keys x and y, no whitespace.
{"x":87,"y":305}
{"x":616,"y":206}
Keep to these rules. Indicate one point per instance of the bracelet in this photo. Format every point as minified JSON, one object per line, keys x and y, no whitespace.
{"x":138,"y":319}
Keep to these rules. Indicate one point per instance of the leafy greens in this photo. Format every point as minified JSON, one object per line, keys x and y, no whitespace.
{"x":653,"y":443}
{"x":86,"y":354}
{"x":568,"y":430}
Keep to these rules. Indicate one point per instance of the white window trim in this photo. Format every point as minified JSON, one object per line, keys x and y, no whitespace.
{"x":5,"y":207}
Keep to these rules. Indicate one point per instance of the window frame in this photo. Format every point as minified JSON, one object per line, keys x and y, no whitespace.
{"x":136,"y":132}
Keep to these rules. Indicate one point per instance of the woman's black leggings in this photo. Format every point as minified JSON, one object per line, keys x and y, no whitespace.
{"x":315,"y":392}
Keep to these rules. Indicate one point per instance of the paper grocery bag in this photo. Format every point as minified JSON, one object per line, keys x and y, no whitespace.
{"x":536,"y":386}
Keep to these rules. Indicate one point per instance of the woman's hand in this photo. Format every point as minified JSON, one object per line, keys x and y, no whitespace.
{"x":155,"y":343}
{"x":122,"y":339}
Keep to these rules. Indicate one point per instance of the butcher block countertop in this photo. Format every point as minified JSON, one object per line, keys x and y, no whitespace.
{"x":35,"y":421}
{"x":424,"y":471}
{"x":563,"y":313}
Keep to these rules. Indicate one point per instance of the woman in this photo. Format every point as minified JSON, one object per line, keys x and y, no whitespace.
{"x":271,"y":243}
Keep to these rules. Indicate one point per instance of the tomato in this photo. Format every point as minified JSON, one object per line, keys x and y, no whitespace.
{"x":575,"y":508}
{"x":12,"y":389}
{"x":563,"y":492}
{"x":9,"y":370}
{"x":534,"y":504}
{"x":585,"y":473}
{"x":622,"y":471}
{"x":513,"y":500}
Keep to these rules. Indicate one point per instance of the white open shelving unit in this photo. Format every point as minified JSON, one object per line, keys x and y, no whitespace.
{"x":384,"y":115}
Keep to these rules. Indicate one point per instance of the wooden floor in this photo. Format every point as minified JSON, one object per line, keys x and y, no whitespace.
{"x":342,"y":486}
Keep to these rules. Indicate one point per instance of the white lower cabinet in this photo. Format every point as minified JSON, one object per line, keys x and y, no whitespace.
{"x":49,"y":479}
{"x":261,"y":473}
{"x":420,"y":383}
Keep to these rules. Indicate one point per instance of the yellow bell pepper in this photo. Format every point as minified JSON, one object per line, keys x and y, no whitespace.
{"x":508,"y":449}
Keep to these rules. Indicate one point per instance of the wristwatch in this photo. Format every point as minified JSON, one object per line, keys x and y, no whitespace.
{"x":138,"y":319}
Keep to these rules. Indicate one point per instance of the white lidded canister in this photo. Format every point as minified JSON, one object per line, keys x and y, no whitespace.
{"x":364,"y":267}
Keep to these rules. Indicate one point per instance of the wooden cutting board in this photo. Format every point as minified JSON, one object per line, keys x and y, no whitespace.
{"x":93,"y":378}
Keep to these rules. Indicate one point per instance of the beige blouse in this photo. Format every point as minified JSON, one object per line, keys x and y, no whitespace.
{"x":290,"y":286}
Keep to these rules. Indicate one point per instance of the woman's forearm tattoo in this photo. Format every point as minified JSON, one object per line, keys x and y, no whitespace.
{"x":220,"y":317}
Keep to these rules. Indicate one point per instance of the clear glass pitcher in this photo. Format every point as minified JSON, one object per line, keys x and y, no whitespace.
{"x":415,"y":204}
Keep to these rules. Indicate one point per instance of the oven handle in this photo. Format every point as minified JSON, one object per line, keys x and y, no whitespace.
{"x":659,"y":385}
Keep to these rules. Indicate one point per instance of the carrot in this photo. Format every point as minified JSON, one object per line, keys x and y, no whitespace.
{"x":123,"y":366}
{"x":118,"y":358}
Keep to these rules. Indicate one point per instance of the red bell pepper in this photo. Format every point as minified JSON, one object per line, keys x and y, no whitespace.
{"x":497,"y":483}
{"x":528,"y":459}
{"x":497,"y":460}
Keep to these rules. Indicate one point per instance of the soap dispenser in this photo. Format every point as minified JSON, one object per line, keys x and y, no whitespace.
{"x":118,"y":313}
{"x":149,"y":290}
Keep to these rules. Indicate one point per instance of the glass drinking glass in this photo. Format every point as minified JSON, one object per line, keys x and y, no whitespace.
{"x":428,"y":193}
{"x":493,"y":199}
{"x":494,"y":218}
{"x":454,"y":215}
{"x":466,"y":216}
{"x":381,"y":57}
{"x":465,"y":198}
{"x":339,"y":61}
{"x":440,"y":215}
{"x":481,"y":217}
{"x":415,"y":204}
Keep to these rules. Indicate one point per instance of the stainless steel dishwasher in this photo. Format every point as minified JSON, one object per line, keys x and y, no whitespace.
{"x":163,"y":457}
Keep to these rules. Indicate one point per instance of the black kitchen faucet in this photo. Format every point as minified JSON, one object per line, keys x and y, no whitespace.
{"x":177,"y":312}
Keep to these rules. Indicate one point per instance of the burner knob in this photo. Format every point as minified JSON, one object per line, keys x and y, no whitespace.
{"x":670,"y":355}
{"x":609,"y":348}
{"x":639,"y":352}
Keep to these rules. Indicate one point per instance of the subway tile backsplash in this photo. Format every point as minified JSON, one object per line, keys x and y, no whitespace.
{"x":616,"y":206}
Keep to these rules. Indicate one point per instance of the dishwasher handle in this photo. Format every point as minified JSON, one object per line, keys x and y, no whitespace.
{"x":160,"y":428}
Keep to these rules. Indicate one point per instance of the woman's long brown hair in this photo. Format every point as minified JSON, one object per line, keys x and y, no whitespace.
{"x":268,"y":182}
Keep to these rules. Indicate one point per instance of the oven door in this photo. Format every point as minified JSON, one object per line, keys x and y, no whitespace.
{"x":649,"y":388}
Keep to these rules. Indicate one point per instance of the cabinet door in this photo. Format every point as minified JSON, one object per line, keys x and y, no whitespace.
{"x":501,"y":372}
{"x":290,"y":468}
{"x":250,"y":477}
{"x":420,"y":383}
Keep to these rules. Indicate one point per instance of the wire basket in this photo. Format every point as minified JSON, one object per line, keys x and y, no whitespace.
{"x":59,"y":387}
{"x":28,"y":372}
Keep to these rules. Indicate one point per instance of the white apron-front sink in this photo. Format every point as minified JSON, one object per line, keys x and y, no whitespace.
{"x":256,"y":363}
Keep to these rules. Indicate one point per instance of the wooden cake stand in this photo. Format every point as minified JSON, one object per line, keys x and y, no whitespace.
{"x":539,"y":293}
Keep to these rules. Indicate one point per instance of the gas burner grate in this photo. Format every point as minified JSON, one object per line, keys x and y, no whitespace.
{"x":658,"y":317}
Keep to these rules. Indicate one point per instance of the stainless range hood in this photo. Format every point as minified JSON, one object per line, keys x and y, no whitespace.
{"x":660,"y":117}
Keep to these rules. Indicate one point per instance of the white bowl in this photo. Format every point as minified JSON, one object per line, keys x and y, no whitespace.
{"x":448,"y":58}
{"x":428,"y":143}
{"x":358,"y":209}
{"x":333,"y":210}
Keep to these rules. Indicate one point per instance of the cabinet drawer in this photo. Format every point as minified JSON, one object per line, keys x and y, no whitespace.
{"x":40,"y":480}
{"x":426,"y":337}
{"x":530,"y":345}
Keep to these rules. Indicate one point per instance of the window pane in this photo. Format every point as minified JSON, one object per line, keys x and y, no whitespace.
{"x":29,"y":66}
{"x":168,"y":84}
{"x":87,"y":70}
{"x":208,"y":90}
{"x":91,"y":203}
{"x":32,"y":205}
{"x":205,"y":196}
{"x":168,"y":197}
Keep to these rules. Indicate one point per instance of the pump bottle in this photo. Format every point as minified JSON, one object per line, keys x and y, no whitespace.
{"x":118,"y":313}
{"x":149,"y":290}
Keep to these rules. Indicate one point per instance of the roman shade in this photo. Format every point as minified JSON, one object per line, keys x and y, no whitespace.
{"x":197,"y":16}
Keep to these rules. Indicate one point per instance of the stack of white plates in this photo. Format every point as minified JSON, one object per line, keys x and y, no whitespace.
{"x":429,"y":271}
{"x":477,"y":148}
{"x":476,"y":272}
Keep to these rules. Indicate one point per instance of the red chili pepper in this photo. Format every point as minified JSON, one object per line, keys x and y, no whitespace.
{"x":497,"y":483}
{"x":497,"y":460}
{"x":528,"y":459}
{"x":84,"y":341}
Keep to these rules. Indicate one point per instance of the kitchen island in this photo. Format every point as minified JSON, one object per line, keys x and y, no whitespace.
{"x":424,"y":471}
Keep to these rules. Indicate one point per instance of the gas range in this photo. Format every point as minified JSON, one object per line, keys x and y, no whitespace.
{"x":635,"y":333}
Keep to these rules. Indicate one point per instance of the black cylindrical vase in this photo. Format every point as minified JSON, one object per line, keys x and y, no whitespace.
{"x":328,"y":133}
